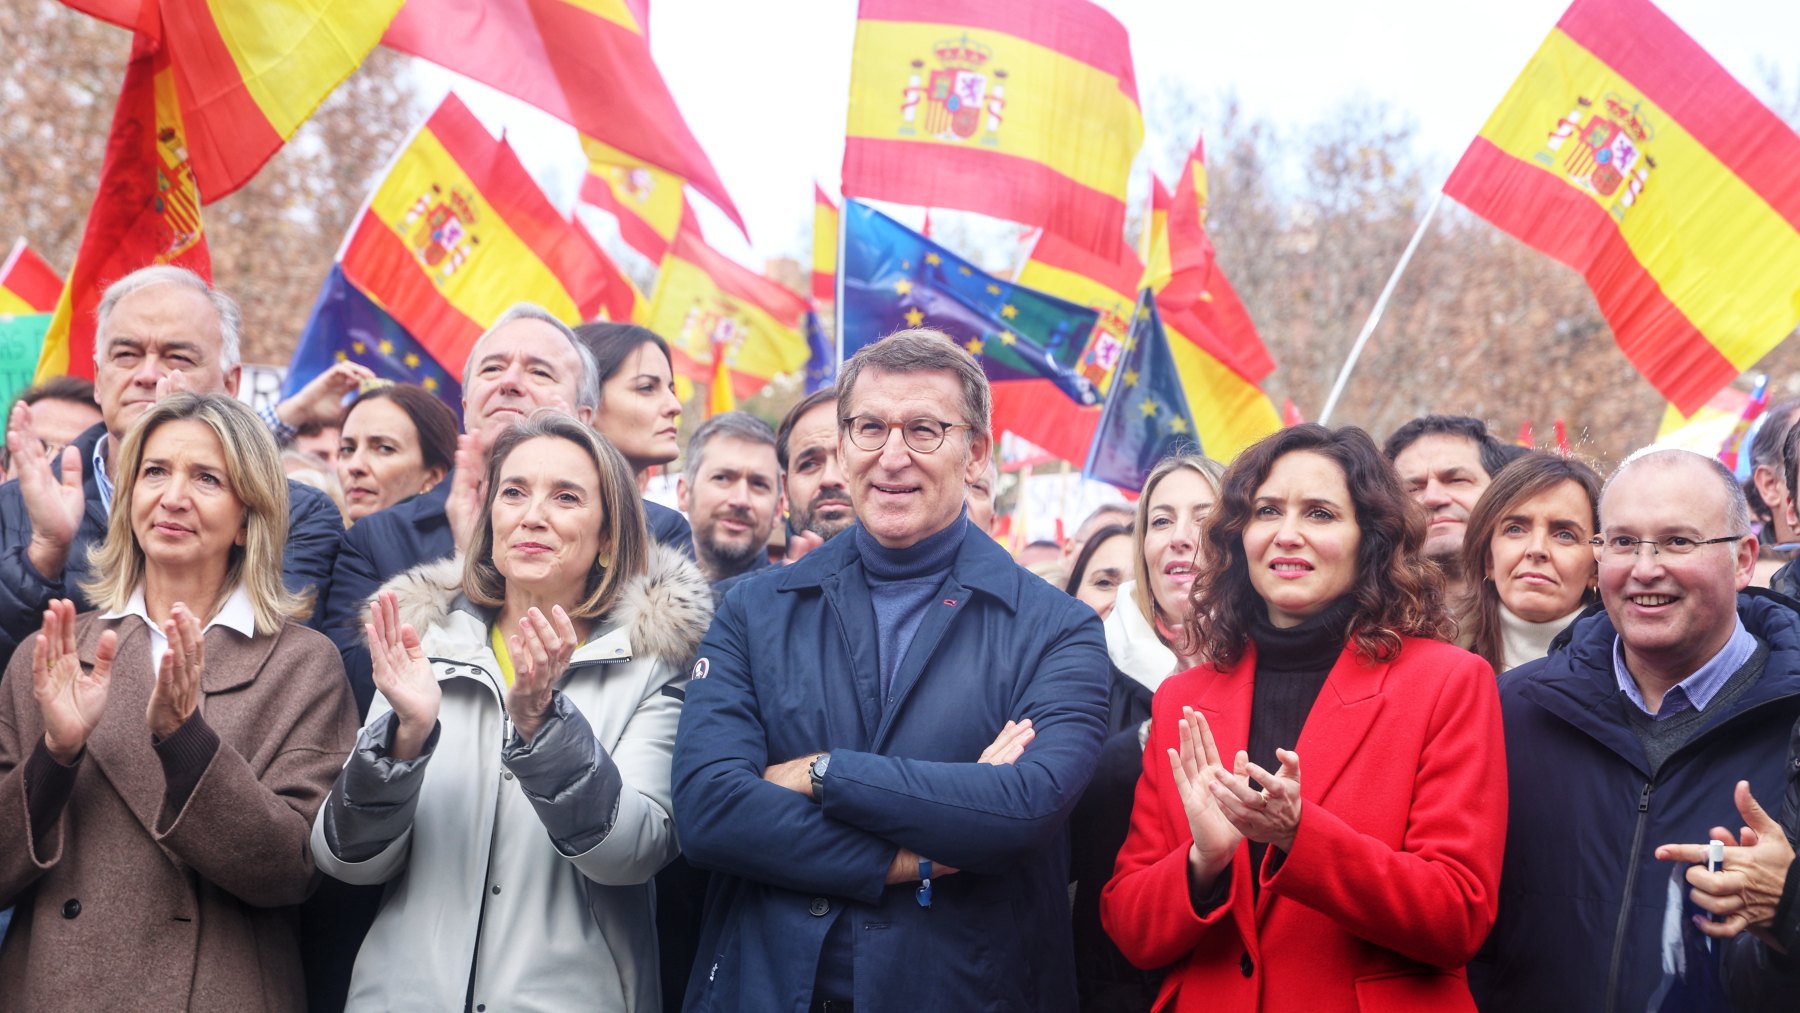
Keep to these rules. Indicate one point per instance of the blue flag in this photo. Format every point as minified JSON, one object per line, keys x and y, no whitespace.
{"x":893,"y":278}
{"x":345,"y":324}
{"x":1146,"y":417}
{"x":821,"y":355}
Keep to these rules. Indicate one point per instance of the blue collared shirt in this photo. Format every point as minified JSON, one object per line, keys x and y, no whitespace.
{"x":101,"y":478}
{"x":1697,"y":690}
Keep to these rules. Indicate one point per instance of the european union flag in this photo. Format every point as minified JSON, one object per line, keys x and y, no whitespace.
{"x":821,"y":355}
{"x":894,"y":278}
{"x":1146,"y":417}
{"x":345,"y":324}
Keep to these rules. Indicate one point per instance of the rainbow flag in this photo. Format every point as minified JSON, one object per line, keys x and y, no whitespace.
{"x":586,"y":62}
{"x":27,"y":283}
{"x":1626,"y":152}
{"x":457,"y":232}
{"x":146,"y":209}
{"x":825,"y":244}
{"x":248,"y":74}
{"x":647,"y":202}
{"x":717,"y":314}
{"x":1021,"y":109}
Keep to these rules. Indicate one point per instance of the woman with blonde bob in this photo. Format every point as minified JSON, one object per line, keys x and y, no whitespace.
{"x":512,"y":784}
{"x":1147,"y":639}
{"x":1526,"y":548}
{"x":165,"y":755}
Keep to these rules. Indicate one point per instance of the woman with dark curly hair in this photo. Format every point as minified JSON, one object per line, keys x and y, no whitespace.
{"x":1322,"y":630}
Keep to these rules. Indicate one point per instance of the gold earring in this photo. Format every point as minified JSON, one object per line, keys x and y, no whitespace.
{"x":602,"y":561}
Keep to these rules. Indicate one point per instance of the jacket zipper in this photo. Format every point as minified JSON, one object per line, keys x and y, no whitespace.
{"x":487,"y":872}
{"x":1631,"y":871}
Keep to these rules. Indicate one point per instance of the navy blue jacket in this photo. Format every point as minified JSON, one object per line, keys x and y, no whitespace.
{"x":790,"y":668}
{"x":416,"y":530}
{"x":314,"y":530}
{"x":1583,"y":900}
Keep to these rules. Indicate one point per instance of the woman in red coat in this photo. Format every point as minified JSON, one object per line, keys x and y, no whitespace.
{"x":1365,"y":879}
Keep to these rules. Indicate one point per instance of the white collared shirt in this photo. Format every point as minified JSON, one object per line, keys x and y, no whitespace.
{"x":237,"y":614}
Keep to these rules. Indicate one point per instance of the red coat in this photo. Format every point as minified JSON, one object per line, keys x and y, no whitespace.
{"x":1391,"y":884}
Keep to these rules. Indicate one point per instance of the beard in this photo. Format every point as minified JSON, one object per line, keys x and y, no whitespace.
{"x":809,"y":519}
{"x":729,"y":556}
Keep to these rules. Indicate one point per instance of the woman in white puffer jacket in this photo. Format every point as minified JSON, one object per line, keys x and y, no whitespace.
{"x":511,"y":786}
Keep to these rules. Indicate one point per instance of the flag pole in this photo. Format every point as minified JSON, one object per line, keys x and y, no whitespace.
{"x":1343,"y":377}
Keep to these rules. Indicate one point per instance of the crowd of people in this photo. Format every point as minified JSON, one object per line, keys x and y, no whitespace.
{"x":349,"y":704}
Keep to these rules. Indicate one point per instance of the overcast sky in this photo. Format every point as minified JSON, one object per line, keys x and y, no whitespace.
{"x":765,"y":85}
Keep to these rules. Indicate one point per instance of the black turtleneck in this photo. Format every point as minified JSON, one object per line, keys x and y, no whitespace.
{"x":1291,"y":666}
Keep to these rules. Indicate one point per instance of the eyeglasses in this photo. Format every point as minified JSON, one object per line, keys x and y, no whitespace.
{"x":1618,"y":548}
{"x":923,"y":435}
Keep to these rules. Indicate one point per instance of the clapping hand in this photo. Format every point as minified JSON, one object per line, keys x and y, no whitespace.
{"x":1270,"y":816}
{"x":463,"y":506}
{"x":1195,"y":766}
{"x":403,"y":675}
{"x":540,"y":653}
{"x":69,"y":698}
{"x":177,"y":692}
{"x":54,"y":505}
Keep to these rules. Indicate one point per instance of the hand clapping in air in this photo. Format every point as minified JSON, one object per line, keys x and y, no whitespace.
{"x":403,"y":675}
{"x":540,"y":652}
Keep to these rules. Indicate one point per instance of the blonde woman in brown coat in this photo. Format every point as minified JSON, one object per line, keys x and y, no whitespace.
{"x":161,"y":759}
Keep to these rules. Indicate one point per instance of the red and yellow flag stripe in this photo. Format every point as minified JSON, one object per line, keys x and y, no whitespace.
{"x":458,"y":231}
{"x":27,"y":283}
{"x":1625,"y":151}
{"x":647,"y":202}
{"x":586,"y":62}
{"x":1022,"y":109}
{"x":707,"y":304}
{"x":824,"y":246}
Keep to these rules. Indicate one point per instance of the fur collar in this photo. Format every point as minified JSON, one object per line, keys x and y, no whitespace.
{"x":664,"y":613}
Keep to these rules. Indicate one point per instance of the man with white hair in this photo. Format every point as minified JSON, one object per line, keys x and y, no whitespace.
{"x":160,"y":330}
{"x":526,"y":361}
{"x":1632,"y":733}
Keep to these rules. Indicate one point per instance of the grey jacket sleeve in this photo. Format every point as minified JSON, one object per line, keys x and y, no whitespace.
{"x":569,"y":778}
{"x":373,"y":802}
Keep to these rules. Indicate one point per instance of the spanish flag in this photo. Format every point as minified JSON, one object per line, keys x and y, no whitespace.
{"x":146,"y":209}
{"x":1021,"y":109}
{"x":717,"y":314}
{"x":825,"y":244}
{"x":1212,"y":341}
{"x":1036,"y":409}
{"x":248,"y":74}
{"x":1629,"y":154}
{"x":1193,"y":295}
{"x":586,"y":62}
{"x":647,"y":202}
{"x":27,"y":283}
{"x":457,"y":232}
{"x":620,"y":299}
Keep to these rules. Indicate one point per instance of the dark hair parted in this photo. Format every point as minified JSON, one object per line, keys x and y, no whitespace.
{"x":612,"y":344}
{"x":1492,"y":452}
{"x":827,"y":395}
{"x":1079,"y":571}
{"x":1530,"y":476}
{"x":624,"y":537}
{"x":1397,"y":592}
{"x":432,"y":419}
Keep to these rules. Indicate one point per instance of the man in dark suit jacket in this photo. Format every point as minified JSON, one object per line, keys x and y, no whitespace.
{"x":882,"y":742}
{"x":161,"y":329}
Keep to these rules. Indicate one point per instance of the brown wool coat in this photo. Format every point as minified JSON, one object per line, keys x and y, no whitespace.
{"x":190,"y":910}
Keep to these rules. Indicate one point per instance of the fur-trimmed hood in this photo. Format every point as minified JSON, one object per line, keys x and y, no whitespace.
{"x":664,"y":613}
